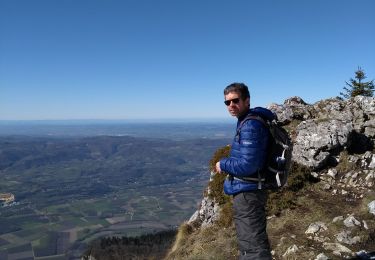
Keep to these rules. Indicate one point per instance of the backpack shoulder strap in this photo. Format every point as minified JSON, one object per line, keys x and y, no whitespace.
{"x":252,"y":117}
{"x":260,"y":179}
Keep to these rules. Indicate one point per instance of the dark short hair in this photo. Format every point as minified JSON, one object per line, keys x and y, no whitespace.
{"x":239,"y":88}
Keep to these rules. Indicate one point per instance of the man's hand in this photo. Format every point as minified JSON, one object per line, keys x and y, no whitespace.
{"x":218,"y":170}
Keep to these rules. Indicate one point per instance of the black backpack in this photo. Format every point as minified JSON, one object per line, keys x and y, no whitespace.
{"x":274,"y":174}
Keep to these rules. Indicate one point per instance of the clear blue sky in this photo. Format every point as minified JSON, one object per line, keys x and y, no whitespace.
{"x":90,"y":59}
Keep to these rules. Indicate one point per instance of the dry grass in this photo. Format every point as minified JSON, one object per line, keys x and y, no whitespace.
{"x":182,"y":236}
{"x":206,"y":243}
{"x":226,"y":215}
{"x":312,"y":206}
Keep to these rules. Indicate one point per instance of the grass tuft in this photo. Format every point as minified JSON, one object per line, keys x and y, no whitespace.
{"x":344,"y":164}
{"x":183,"y":234}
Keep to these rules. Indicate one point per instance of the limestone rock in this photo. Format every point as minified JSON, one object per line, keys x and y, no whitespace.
{"x":333,"y":109}
{"x":326,"y":186}
{"x":365,"y":226}
{"x":293,"y":101}
{"x":363,"y":110}
{"x":369,"y":180}
{"x":351,"y":221}
{"x":337,"y":248}
{"x":316,"y":227}
{"x":372,"y":162}
{"x":339,"y":218}
{"x":315,"y":140}
{"x":370,"y":128}
{"x":207,"y":214}
{"x":294,"y":108}
{"x":291,"y":250}
{"x":321,"y":256}
{"x":194,"y":217}
{"x":332,"y":173}
{"x":344,"y":237}
{"x":371,"y":207}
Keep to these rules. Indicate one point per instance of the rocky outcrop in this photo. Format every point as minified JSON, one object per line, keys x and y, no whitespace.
{"x":335,"y":140}
{"x":207,"y":213}
{"x":358,"y":110}
{"x":317,"y":140}
{"x":328,"y":127}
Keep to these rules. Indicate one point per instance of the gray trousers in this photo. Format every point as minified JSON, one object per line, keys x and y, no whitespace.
{"x":250,"y":220}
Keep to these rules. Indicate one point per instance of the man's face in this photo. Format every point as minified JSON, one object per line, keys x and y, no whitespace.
{"x":236,"y":105}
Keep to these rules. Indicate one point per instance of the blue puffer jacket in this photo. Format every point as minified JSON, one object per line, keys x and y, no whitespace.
{"x":248,"y":153}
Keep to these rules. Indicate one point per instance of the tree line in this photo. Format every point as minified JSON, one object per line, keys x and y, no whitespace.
{"x":148,"y":246}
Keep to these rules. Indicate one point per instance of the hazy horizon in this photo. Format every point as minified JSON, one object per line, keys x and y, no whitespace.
{"x":169,"y":129}
{"x":133,"y":120}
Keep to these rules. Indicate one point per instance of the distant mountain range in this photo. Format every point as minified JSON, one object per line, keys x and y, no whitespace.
{"x":176,"y":130}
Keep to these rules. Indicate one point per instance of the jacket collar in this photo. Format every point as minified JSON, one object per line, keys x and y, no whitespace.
{"x":242,"y":117}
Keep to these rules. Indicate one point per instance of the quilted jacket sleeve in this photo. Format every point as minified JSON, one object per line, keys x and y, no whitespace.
{"x":248,"y":152}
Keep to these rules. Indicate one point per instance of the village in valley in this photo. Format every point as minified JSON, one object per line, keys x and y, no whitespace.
{"x":6,"y":199}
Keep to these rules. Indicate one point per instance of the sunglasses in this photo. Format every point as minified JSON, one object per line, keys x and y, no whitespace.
{"x":234,"y":100}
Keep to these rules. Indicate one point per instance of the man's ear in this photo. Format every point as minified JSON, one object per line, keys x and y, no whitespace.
{"x":247,"y":101}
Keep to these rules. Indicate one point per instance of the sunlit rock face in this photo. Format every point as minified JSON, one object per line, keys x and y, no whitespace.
{"x":328,"y":127}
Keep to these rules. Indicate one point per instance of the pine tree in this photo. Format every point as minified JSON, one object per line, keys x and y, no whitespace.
{"x":357,"y":87}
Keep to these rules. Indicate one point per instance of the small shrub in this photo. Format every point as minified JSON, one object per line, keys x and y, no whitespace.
{"x":278,"y":201}
{"x":218,"y":155}
{"x":299,"y":177}
{"x":226,"y":215}
{"x":345,"y":165}
{"x":216,"y":184}
{"x":216,"y":189}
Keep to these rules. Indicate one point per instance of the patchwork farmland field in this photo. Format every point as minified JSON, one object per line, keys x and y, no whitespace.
{"x":72,"y":191}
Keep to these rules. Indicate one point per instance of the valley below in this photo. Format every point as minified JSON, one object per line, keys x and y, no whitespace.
{"x":70,"y":191}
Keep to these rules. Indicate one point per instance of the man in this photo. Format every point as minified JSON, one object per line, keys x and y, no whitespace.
{"x":246,"y":161}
